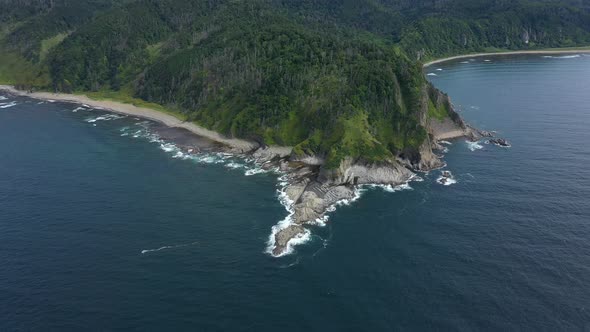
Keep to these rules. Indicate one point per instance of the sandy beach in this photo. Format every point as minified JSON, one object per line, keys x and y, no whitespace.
{"x":478,"y":55}
{"x":238,"y":145}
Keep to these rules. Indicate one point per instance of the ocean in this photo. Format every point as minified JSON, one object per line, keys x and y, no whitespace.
{"x":104,"y":226}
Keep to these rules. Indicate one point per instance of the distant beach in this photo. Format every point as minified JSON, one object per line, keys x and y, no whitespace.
{"x":479,"y":55}
{"x":238,"y":145}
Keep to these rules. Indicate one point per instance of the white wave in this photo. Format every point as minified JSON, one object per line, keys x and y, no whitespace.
{"x":445,"y":142}
{"x":9,"y":105}
{"x":446,"y":179}
{"x":389,"y":188}
{"x":79,"y":109}
{"x":288,"y":221}
{"x":143,"y":252}
{"x":464,"y":62}
{"x":255,"y":170}
{"x":487,"y":60}
{"x":474,"y":107}
{"x":41,"y":103}
{"x":3,"y":98}
{"x":431,"y":74}
{"x":168,"y":147}
{"x":234,"y":165}
{"x":105,"y":117}
{"x":473,"y":146}
{"x":574,"y":56}
{"x":439,"y":69}
{"x":51,"y":100}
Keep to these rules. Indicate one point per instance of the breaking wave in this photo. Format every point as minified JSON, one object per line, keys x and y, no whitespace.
{"x":3,"y":98}
{"x":562,"y":56}
{"x":105,"y":117}
{"x":321,"y":222}
{"x":286,"y":222}
{"x":9,"y":105}
{"x":79,"y":109}
{"x":473,"y":146}
{"x":431,"y":74}
{"x":141,"y":130}
{"x":446,"y":178}
{"x":146,"y":251}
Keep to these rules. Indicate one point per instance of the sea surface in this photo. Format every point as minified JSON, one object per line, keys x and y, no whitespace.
{"x":105,"y":227}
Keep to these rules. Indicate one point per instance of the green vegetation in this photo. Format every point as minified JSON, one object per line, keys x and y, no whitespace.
{"x":334,"y":78}
{"x":49,"y":43}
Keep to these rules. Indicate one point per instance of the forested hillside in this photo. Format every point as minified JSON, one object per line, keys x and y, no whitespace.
{"x":333,"y":78}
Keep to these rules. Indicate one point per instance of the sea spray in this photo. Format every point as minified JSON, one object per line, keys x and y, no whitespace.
{"x":473,"y":146}
{"x":105,"y":117}
{"x":9,"y":105}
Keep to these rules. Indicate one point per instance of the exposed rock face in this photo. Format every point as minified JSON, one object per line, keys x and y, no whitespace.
{"x":313,"y":189}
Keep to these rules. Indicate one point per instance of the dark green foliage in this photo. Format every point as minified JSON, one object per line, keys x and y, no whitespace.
{"x":335,"y":78}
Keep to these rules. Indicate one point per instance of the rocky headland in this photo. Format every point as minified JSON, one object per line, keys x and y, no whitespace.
{"x":311,"y":189}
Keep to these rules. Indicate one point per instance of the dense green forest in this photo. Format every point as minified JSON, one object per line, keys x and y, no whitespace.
{"x":331,"y":77}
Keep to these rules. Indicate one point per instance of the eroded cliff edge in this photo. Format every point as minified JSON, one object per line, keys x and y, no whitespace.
{"x":313,"y":189}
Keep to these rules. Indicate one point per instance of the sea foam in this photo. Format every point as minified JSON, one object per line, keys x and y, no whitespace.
{"x":574,"y":56}
{"x":105,"y":117}
{"x":473,"y":146}
{"x":9,"y":105}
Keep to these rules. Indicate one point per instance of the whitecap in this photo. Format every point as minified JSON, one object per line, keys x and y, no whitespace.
{"x":9,"y":105}
{"x":168,"y":147}
{"x":487,"y":60}
{"x":145,"y":251}
{"x":255,"y":170}
{"x":105,"y":117}
{"x":439,"y":69}
{"x":431,"y":74}
{"x":445,"y":142}
{"x":574,"y":56}
{"x":448,"y":181}
{"x":446,"y":178}
{"x":286,"y":222}
{"x":473,"y":146}
{"x":234,"y":165}
{"x":3,"y":98}
{"x":464,"y":62}
{"x":79,"y":109}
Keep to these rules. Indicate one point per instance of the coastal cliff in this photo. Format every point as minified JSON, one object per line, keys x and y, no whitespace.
{"x":313,"y":190}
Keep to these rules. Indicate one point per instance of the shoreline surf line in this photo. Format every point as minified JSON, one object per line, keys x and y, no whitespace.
{"x":507,"y":53}
{"x":239,"y":145}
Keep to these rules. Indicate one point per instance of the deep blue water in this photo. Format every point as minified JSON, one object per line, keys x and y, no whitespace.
{"x":506,"y":248}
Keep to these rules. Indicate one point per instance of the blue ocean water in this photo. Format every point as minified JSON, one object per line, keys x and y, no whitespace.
{"x":101,"y":228}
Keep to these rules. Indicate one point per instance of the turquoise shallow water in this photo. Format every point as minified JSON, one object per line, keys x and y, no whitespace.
{"x":505,"y":248}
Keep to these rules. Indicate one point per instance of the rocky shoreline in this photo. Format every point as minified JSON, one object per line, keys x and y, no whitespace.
{"x":311,"y":190}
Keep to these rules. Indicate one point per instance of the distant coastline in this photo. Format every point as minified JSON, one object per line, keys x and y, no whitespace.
{"x":236,"y":145}
{"x":531,"y":52}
